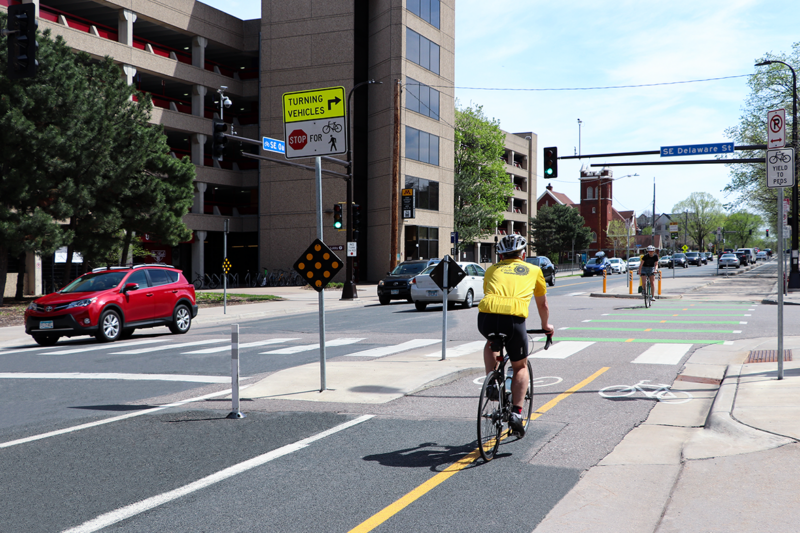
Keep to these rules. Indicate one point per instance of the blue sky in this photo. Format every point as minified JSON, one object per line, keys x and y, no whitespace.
{"x":538,"y":44}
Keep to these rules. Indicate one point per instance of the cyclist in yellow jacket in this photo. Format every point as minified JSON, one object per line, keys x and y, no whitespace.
{"x":508,"y":287}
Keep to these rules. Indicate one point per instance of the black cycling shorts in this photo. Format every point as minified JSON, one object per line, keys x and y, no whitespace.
{"x":513,"y":327}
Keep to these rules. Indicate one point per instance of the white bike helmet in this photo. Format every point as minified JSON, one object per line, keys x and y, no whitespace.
{"x":510,"y":244}
{"x":651,"y":248}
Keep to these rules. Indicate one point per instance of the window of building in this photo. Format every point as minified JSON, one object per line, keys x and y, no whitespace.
{"x":427,"y":192}
{"x":422,"y":146}
{"x":594,"y":236}
{"x":427,"y":10}
{"x":421,"y":242}
{"x":422,"y":99}
{"x":422,"y":51}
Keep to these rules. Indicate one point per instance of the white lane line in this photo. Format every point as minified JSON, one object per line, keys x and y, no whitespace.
{"x":562,"y":329}
{"x":561,"y":350}
{"x":31,"y":349}
{"x":663,"y":354}
{"x":575,"y":293}
{"x":112,"y":419}
{"x":125,"y":377}
{"x":463,"y":349}
{"x":171,"y":346}
{"x":309,"y":347}
{"x":737,"y":331}
{"x":102,"y":346}
{"x":219,"y":349}
{"x":586,"y":320}
{"x":727,"y":343}
{"x":742,"y":322}
{"x":747,"y":315}
{"x":129,"y":511}
{"x":395,"y":348}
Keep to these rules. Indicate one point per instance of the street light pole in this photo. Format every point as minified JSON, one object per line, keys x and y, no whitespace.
{"x":349,"y":290}
{"x":794,"y":274}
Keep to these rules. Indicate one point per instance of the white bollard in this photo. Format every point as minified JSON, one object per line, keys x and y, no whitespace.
{"x":235,"y":413}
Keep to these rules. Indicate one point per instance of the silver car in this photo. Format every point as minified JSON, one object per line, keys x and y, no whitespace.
{"x":728,"y":260}
{"x":424,"y":291}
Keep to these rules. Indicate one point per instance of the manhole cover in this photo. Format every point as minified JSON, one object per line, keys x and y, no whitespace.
{"x":767,"y":356}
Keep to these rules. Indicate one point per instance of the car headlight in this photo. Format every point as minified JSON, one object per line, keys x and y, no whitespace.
{"x":380,"y":283}
{"x":32,"y":306}
{"x":81,"y":303}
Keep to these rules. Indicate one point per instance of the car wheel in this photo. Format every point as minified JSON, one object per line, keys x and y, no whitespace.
{"x":553,"y":279}
{"x":127,"y":333}
{"x":181,"y":320}
{"x":110,"y":326}
{"x":468,"y":300}
{"x":46,"y":339}
{"x":738,"y":266}
{"x":420,"y":305}
{"x":383,"y":300}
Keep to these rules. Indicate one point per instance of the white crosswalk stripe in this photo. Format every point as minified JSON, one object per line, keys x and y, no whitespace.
{"x":561,"y":350}
{"x":219,"y":349}
{"x":663,"y":354}
{"x":171,"y":346}
{"x":395,"y":348}
{"x":125,"y":377}
{"x":460,"y":350}
{"x":103,"y":346}
{"x":309,"y":347}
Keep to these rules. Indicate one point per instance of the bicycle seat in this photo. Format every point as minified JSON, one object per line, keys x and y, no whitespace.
{"x":496,"y":340}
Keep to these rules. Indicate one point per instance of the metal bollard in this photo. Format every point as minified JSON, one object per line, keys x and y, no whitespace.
{"x":235,"y":413}
{"x":659,"y":283}
{"x":630,"y":282}
{"x":604,"y":281}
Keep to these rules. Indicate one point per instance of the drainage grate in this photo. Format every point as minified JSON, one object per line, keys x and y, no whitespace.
{"x":693,"y":379}
{"x":767,"y":356}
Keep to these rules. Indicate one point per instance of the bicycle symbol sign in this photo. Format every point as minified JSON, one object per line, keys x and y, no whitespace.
{"x":780,"y":167}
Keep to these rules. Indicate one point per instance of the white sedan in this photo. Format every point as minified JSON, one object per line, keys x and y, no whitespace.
{"x":424,"y":291}
{"x":617,"y":266}
{"x":634,"y":262}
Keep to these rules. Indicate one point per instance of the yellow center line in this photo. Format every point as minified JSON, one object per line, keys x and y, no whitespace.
{"x":387,"y":512}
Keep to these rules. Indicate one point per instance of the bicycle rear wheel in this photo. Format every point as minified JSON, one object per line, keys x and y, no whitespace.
{"x":646,"y":291}
{"x":490,"y":418}
{"x":527,"y":404}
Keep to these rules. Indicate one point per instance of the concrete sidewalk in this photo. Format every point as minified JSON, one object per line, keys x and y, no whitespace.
{"x":726,"y":461}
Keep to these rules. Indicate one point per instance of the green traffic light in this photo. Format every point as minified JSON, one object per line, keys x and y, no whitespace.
{"x":548,"y":171}
{"x":337,"y":225}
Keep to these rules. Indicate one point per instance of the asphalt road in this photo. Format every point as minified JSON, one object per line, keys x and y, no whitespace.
{"x":406,"y":465}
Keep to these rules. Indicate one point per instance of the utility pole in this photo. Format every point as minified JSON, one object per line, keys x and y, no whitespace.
{"x":653,"y":235}
{"x":395,"y":218}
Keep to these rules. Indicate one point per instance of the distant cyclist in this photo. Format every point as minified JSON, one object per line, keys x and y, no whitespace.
{"x":649,"y":266}
{"x":508,"y":287}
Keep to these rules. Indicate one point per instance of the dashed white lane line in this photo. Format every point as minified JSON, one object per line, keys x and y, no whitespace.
{"x":125,"y":377}
{"x":663,"y":354}
{"x":129,"y":511}
{"x":308,"y":347}
{"x":112,"y":419}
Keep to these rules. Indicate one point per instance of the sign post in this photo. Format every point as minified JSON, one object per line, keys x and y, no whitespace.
{"x":446,"y":275}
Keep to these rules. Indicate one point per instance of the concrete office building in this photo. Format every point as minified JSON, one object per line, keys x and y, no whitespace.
{"x":183,"y":53}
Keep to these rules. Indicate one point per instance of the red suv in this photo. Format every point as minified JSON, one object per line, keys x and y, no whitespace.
{"x":110,"y":303}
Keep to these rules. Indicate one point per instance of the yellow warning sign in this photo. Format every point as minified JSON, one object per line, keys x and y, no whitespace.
{"x":316,"y":104}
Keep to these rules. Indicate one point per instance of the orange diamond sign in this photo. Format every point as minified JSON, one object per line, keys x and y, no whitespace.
{"x":318,"y":265}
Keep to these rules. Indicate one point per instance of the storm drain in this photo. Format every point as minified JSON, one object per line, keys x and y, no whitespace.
{"x":767,"y":356}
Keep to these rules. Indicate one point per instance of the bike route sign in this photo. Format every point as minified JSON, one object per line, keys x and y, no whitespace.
{"x":315,"y":122}
{"x":780,"y":168}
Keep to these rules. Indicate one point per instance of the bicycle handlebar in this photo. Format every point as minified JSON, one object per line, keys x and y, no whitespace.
{"x":549,"y":340}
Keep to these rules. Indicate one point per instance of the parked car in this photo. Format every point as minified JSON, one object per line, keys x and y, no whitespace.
{"x":396,"y":284}
{"x":678,"y":260}
{"x":110,"y":303}
{"x":744,"y":257}
{"x":761,"y":256}
{"x":693,"y":258}
{"x":596,"y":265}
{"x":728,"y":260}
{"x":633,"y":263}
{"x":710,"y":256}
{"x":617,"y":266}
{"x":664,"y":261}
{"x":751,"y":254}
{"x":424,"y":291}
{"x":548,"y":268}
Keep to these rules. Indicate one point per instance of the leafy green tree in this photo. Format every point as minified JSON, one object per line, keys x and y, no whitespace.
{"x":705,"y":216}
{"x":745,"y":227}
{"x":619,"y":235}
{"x":557,"y":230}
{"x":770,"y":88}
{"x":482,"y":188}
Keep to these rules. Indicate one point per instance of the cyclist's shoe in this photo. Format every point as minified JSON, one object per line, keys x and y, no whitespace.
{"x":516,"y":425}
{"x":491,"y":392}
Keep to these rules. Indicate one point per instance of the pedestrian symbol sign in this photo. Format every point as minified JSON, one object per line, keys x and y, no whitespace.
{"x":315,"y":122}
{"x":685,"y":248}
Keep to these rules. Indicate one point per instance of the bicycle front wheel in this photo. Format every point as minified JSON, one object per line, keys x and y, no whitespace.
{"x":490,"y":418}
{"x":527,"y":404}
{"x":646,"y":292}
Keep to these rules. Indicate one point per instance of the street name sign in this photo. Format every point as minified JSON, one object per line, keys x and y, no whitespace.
{"x":273,"y":145}
{"x":780,"y":167}
{"x":776,"y":128}
{"x":315,"y":122}
{"x":697,"y":149}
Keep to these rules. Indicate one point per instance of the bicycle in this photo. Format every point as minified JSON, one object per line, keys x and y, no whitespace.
{"x":494,"y":413}
{"x":661,"y":392}
{"x":331,"y":125}
{"x":647,"y":291}
{"x":198,"y":281}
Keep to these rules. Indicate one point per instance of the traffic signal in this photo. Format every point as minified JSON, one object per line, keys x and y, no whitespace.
{"x":551,"y":162}
{"x":767,"y":232}
{"x":218,"y":139}
{"x":356,"y":220}
{"x":22,"y":45}
{"x":337,"y":216}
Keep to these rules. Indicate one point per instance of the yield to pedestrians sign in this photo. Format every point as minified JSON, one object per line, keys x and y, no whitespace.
{"x":780,"y":168}
{"x":315,"y":122}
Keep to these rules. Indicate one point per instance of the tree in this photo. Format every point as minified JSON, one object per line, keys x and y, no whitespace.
{"x":557,"y":230}
{"x":482,"y":188}
{"x":705,"y":216}
{"x":745,"y":227}
{"x":619,"y":234}
{"x":770,"y":88}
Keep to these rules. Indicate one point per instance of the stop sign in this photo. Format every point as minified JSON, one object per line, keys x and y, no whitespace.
{"x":298,"y":139}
